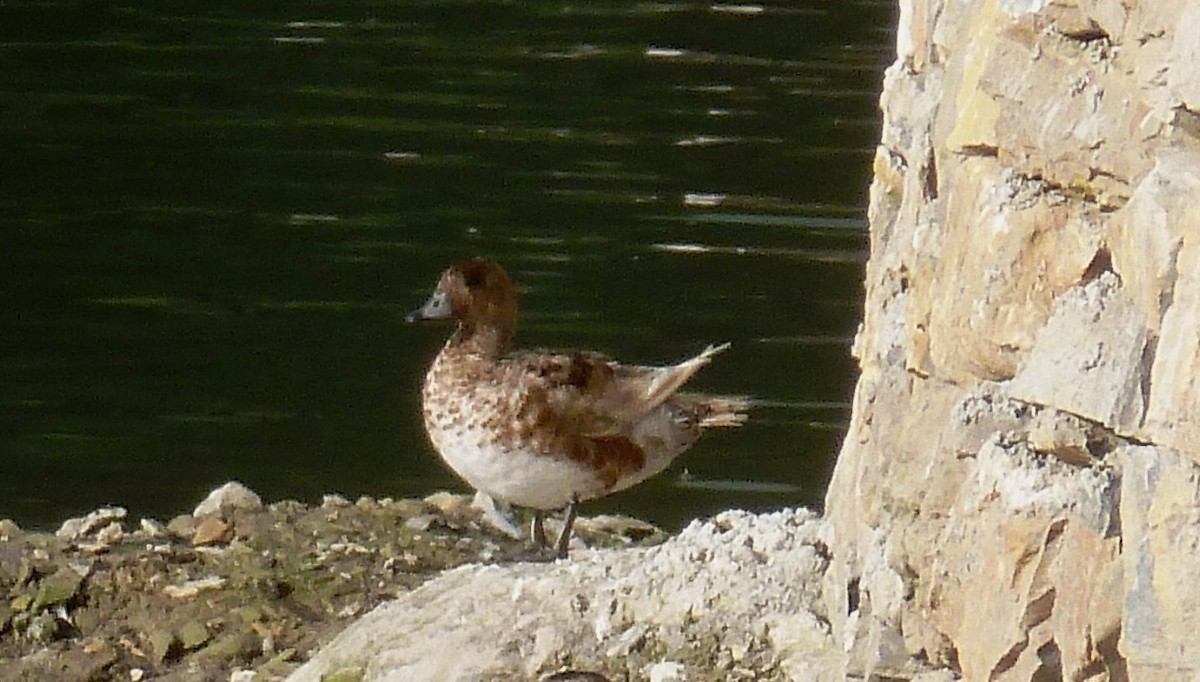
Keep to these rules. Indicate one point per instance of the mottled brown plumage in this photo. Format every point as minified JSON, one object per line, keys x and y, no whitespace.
{"x":545,"y":430}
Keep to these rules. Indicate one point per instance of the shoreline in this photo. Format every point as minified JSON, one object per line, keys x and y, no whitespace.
{"x":235,"y":590}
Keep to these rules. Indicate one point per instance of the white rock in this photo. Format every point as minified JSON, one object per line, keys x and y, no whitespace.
{"x":74,"y":529}
{"x":718,"y":580}
{"x":193,"y":587}
{"x":497,"y":516}
{"x":333,"y":501}
{"x":667,"y":671}
{"x":232,"y":495}
{"x":1088,"y":358}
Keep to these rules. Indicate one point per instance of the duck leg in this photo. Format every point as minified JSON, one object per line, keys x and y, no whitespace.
{"x":537,"y":530}
{"x":564,"y":537}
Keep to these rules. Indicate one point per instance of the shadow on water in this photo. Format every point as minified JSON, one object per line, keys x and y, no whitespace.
{"x":217,"y":215}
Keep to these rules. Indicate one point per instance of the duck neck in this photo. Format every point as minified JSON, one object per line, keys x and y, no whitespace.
{"x":489,"y":341}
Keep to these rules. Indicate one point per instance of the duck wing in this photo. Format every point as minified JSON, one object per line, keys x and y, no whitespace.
{"x":599,"y":395}
{"x":586,"y":407}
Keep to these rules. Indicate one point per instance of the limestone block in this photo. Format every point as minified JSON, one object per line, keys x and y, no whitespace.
{"x":1062,"y":435}
{"x":1156,"y":249}
{"x":1044,"y":89}
{"x":1088,"y":357}
{"x":1160,"y":524}
{"x":1018,"y":563}
{"x":896,"y":452}
{"x":913,"y":38}
{"x":976,"y":109}
{"x":893,"y":471}
{"x":1007,"y":248}
{"x":1147,"y":235}
{"x":1173,"y":414}
{"x":1183,"y":78}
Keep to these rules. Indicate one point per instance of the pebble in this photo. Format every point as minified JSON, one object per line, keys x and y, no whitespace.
{"x":193,"y":587}
{"x":447,"y":503}
{"x":498,"y":516}
{"x":422,"y":523}
{"x":193,"y":635}
{"x":333,"y":501}
{"x":152,"y":528}
{"x":8,"y":529}
{"x":668,"y":671}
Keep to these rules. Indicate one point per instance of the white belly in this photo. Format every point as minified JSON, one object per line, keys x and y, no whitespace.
{"x":515,"y":476}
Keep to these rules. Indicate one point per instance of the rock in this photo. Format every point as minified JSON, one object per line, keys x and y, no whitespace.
{"x":58,"y":588}
{"x":183,"y":526}
{"x":1017,"y":492}
{"x":21,"y":602}
{"x":74,"y":664}
{"x":192,"y":635}
{"x":738,"y":581}
{"x":423,"y":522}
{"x":574,"y":676}
{"x":667,"y":671}
{"x":351,"y":674}
{"x":407,"y":507}
{"x":152,"y":529}
{"x":1162,"y":255}
{"x":448,"y":503}
{"x":231,"y":496}
{"x":212,"y":531}
{"x":104,"y":539}
{"x":163,"y":645}
{"x":8,"y":530}
{"x":1159,"y":512}
{"x":295,"y":576}
{"x":497,"y":516}
{"x":191,"y":588}
{"x":44,"y":628}
{"x":239,"y":645}
{"x":1088,"y":357}
{"x":619,"y":527}
{"x":942,"y":675}
{"x":1062,"y":435}
{"x":334,"y":502}
{"x":72,"y":530}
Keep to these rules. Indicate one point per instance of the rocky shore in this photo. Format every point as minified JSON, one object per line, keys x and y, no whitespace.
{"x":236,"y":590}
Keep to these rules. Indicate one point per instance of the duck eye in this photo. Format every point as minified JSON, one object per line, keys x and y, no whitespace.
{"x":475,"y":279}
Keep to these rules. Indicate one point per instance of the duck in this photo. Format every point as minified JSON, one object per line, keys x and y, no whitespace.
{"x":547,"y":430}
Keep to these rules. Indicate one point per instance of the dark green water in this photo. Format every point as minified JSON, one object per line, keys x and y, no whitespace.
{"x":213,"y":217}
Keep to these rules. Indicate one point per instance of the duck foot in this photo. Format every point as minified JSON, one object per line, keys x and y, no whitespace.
{"x":537,"y":530}
{"x":564,"y":537}
{"x":537,"y":533}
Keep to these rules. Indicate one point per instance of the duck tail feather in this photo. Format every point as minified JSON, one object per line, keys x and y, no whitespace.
{"x":724,"y":411}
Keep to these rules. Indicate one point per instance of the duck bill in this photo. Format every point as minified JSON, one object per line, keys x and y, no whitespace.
{"x":436,"y":308}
